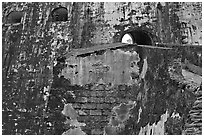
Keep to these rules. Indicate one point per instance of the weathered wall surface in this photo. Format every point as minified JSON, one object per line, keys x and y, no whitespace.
{"x":30,"y":50}
{"x":113,"y":67}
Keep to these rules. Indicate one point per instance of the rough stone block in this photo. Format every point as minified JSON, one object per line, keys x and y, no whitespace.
{"x":99,"y":87}
{"x":78,"y":93}
{"x":93,"y":94}
{"x":103,"y":106}
{"x":80,"y":112}
{"x":76,"y":105}
{"x":106,"y":112}
{"x":83,"y":119}
{"x":110,"y":100}
{"x":95,"y":112}
{"x":86,"y":93}
{"x":92,"y":99}
{"x":100,"y":93}
{"x":96,"y":100}
{"x":97,"y":132}
{"x":104,"y":118}
{"x":98,"y":118}
{"x":89,"y":106}
{"x":100,"y":100}
{"x":122,"y":87}
{"x":81,"y":99}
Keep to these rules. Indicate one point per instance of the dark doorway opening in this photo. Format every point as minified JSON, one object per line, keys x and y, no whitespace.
{"x":139,"y":37}
{"x":14,"y":17}
{"x":59,"y":14}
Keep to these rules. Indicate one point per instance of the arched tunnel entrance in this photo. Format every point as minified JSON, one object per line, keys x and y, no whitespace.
{"x":139,"y":37}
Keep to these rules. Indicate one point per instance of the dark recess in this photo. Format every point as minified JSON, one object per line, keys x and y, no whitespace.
{"x":140,"y":37}
{"x":59,"y":14}
{"x":14,"y":17}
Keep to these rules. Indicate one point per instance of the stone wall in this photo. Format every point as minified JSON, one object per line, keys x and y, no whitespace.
{"x":155,"y":97}
{"x":32,"y":52}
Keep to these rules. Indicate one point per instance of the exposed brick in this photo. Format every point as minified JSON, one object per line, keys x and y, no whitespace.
{"x":103,"y":124}
{"x":76,"y":105}
{"x":96,"y":100}
{"x":103,"y":106}
{"x":95,"y":112}
{"x":108,"y":92}
{"x":88,"y":106}
{"x":83,"y":118}
{"x":98,"y":131}
{"x":81,"y":99}
{"x":78,"y":93}
{"x":99,"y":87}
{"x":110,"y":100}
{"x":93,"y":94}
{"x":96,"y":118}
{"x":100,"y":100}
{"x":99,"y":118}
{"x":106,"y":112}
{"x":100,"y":93}
{"x":80,"y":112}
{"x":87,"y":93}
{"x":122,"y":87}
{"x":92,"y":99}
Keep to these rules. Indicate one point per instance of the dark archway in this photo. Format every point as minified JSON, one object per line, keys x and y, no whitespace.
{"x":59,"y":14}
{"x":14,"y":17}
{"x":139,"y":37}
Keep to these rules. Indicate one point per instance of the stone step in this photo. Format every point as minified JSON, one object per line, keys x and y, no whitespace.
{"x":189,"y":129}
{"x":195,"y":111}
{"x":199,"y":98}
{"x":193,"y":119}
{"x":193,"y":131}
{"x":195,"y":114}
{"x":198,"y":106}
{"x":193,"y":125}
{"x":198,"y":95}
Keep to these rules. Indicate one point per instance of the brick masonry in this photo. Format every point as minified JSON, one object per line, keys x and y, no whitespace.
{"x":97,"y":108}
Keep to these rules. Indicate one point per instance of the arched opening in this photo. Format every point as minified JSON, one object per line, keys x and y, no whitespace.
{"x":14,"y":17}
{"x":127,"y":38}
{"x":59,"y":14}
{"x":139,"y":37}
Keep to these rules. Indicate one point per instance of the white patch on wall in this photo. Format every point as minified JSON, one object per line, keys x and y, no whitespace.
{"x":140,"y":111}
{"x":144,"y":69}
{"x":175,"y":115}
{"x":157,"y":129}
